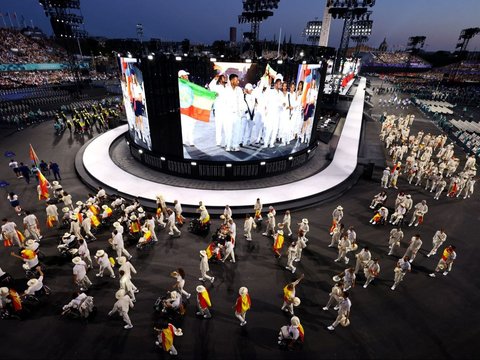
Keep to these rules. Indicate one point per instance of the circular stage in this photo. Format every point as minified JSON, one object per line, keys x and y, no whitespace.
{"x":95,"y":165}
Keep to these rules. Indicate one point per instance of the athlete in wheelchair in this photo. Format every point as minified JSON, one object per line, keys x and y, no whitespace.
{"x":171,"y":305}
{"x":80,"y":307}
{"x":68,"y":245}
{"x":30,"y":262}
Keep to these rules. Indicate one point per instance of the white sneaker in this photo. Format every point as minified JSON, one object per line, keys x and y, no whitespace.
{"x":212,"y":279}
{"x":325,"y":308}
{"x":431,"y":275}
{"x":128,"y":327}
{"x":188,"y":296}
{"x":445,"y":273}
{"x":393,"y":287}
{"x":365,"y":286}
{"x":331,"y":328}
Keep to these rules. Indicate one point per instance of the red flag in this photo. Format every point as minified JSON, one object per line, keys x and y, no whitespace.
{"x":33,"y":155}
{"x":43,"y":183}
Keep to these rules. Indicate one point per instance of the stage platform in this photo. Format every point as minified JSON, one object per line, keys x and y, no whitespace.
{"x":95,"y":166}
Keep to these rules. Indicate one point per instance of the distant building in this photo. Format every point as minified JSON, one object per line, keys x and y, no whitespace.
{"x":383,"y":46}
{"x":233,"y":35}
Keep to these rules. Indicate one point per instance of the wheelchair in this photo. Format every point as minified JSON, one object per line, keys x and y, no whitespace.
{"x":198,"y":228}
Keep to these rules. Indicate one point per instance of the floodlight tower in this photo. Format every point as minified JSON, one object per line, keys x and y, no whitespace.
{"x":465,"y":36}
{"x":67,"y":24}
{"x":415,"y":43}
{"x":254,"y":12}
{"x":326,"y":22}
{"x":360,"y":31}
{"x":348,"y":10}
{"x":312,"y":31}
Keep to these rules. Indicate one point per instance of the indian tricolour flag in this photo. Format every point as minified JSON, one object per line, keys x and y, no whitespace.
{"x":195,"y":101}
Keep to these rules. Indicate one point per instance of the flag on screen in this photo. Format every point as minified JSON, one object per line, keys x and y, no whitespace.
{"x":33,"y":156}
{"x":43,"y":183}
{"x":195,"y":101}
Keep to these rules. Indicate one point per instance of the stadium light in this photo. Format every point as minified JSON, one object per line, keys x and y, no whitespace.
{"x":254,"y":12}
{"x":312,"y":31}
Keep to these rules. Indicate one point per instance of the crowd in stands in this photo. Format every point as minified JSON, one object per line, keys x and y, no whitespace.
{"x":17,"y":48}
{"x":397,"y":59}
{"x":15,"y":79}
{"x":16,"y":117}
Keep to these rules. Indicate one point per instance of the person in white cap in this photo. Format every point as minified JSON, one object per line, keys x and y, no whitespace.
{"x":150,"y":225}
{"x":172,"y":228}
{"x":80,"y":274}
{"x":218,"y":84}
{"x":291,"y":256}
{"x":75,"y":227}
{"x":179,"y":276}
{"x":335,"y":296}
{"x":119,"y":245}
{"x":107,"y":211}
{"x":274,"y":105}
{"x":67,"y":200}
{"x":438,"y":239}
{"x":446,"y":261}
{"x":396,"y":236}
{"x":9,"y":231}
{"x":337,"y":216}
{"x":104,"y":264}
{"x":127,"y":268}
{"x":257,"y":208}
{"x":300,"y":244}
{"x":303,"y":226}
{"x":118,"y":226}
{"x":343,"y":246}
{"x":371,"y":271}
{"x":385,"y":178}
{"x":235,"y":103}
{"x":289,"y":298}
{"x":30,"y":223}
{"x":35,"y":285}
{"x":141,"y":213}
{"x":287,"y":221}
{"x":101,"y":194}
{"x":242,"y":305}
{"x":203,"y":302}
{"x":270,"y":230}
{"x":229,"y":248}
{"x":165,"y":337}
{"x":248,"y":115}
{"x":52,"y":213}
{"x":31,"y":244}
{"x":413,"y":247}
{"x":204,"y":268}
{"x":122,"y":306}
{"x":84,"y":253}
{"x":127,"y":285}
{"x":343,"y":311}
{"x":403,"y":266}
{"x":363,"y":258}
{"x":419,"y":212}
{"x":292,"y":333}
{"x":247,"y":227}
{"x":87,"y":227}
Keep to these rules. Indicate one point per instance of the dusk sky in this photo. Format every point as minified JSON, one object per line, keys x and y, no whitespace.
{"x":203,"y":21}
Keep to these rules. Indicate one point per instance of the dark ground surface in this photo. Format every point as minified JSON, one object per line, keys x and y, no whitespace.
{"x":424,"y":318}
